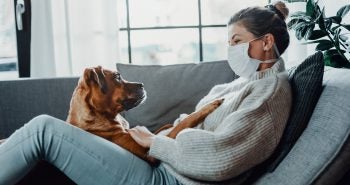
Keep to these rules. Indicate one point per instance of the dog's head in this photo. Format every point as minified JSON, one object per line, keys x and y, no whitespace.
{"x":109,"y":93}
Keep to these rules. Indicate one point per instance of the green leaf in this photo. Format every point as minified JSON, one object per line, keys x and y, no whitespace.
{"x":302,"y":16}
{"x":309,"y":30}
{"x":303,"y":31}
{"x":328,"y":24}
{"x":334,"y":51}
{"x":317,"y":41}
{"x":327,"y":59}
{"x":316,"y":34}
{"x":292,"y":23}
{"x":336,"y":38}
{"x":336,"y":19}
{"x":300,"y":25}
{"x":335,"y":28}
{"x":310,"y":7}
{"x":322,"y":46}
{"x":335,"y":60}
{"x":321,"y":22}
{"x":300,"y":32}
{"x":343,"y":10}
{"x":346,"y":26}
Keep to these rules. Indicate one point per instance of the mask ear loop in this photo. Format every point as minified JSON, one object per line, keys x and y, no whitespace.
{"x":274,"y":47}
{"x":276,"y":50}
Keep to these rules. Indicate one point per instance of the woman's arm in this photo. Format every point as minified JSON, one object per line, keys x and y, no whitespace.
{"x":245,"y":140}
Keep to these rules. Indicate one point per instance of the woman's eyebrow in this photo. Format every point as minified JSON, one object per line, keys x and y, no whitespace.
{"x":234,"y":35}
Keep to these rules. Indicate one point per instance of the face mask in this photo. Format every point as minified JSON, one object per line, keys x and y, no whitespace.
{"x":241,"y":63}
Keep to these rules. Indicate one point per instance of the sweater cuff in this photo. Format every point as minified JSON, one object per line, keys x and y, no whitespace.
{"x":163,"y":148}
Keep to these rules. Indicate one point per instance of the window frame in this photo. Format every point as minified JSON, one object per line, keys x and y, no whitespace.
{"x":23,"y":40}
{"x":20,"y":63}
{"x":200,"y":27}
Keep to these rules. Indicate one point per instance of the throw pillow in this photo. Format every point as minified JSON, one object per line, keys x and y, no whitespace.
{"x":306,"y":82}
{"x":172,"y":89}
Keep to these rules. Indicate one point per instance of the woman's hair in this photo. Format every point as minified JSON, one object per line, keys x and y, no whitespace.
{"x":260,"y":21}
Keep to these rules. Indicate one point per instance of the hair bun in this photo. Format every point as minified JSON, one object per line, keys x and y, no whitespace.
{"x":282,"y":8}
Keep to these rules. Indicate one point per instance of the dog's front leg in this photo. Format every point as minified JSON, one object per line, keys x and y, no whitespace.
{"x":165,"y":127}
{"x":195,"y":118}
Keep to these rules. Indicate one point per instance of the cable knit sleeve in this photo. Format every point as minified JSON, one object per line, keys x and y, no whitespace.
{"x":244,"y":139}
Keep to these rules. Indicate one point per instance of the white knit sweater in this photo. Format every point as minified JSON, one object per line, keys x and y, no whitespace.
{"x":238,"y":135}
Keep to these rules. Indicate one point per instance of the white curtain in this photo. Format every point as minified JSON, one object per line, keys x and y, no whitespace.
{"x":70,"y":35}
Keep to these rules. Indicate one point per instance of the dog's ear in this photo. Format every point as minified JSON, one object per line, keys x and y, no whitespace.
{"x":97,"y":76}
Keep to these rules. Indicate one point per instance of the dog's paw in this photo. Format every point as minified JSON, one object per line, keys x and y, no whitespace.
{"x":209,"y":108}
{"x":217,"y":103}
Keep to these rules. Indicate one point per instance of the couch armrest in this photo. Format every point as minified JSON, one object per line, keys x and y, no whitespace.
{"x":23,"y":99}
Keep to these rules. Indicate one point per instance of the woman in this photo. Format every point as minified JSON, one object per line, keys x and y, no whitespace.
{"x":240,"y":134}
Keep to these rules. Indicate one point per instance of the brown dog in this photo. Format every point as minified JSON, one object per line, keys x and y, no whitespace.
{"x":102,"y":94}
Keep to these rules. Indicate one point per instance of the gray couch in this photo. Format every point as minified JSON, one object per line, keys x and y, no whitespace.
{"x":320,"y":156}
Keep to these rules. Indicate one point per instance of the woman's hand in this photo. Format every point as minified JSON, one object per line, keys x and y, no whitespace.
{"x":142,"y":136}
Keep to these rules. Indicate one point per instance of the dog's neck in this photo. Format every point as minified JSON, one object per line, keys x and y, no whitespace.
{"x":79,"y":112}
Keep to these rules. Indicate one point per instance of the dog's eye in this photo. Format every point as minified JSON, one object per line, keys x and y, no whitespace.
{"x":116,"y":76}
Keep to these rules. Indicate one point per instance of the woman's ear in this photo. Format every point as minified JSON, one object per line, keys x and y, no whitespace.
{"x":269,"y":41}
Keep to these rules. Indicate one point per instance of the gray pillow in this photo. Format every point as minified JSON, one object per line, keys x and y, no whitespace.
{"x":172,"y":89}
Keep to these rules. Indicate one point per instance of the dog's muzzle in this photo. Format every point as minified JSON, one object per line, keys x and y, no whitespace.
{"x":138,"y":98}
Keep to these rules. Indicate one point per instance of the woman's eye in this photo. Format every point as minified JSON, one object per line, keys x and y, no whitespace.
{"x":236,"y":41}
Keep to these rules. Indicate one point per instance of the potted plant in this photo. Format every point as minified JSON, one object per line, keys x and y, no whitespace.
{"x":327,"y":32}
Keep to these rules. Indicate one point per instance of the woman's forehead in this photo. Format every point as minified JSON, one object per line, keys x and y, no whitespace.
{"x":238,"y":30}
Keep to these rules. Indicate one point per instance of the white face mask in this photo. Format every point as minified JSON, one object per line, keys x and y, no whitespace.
{"x":240,"y":62}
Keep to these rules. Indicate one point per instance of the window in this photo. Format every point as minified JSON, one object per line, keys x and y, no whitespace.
{"x":175,"y":31}
{"x":8,"y":51}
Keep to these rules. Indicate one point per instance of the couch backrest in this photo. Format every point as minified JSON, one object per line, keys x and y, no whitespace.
{"x":23,"y":99}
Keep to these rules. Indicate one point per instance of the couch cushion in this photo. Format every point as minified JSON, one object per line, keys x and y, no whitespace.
{"x":172,"y":89}
{"x":316,"y":151}
{"x":23,"y":99}
{"x":338,"y":166}
{"x":306,"y":83}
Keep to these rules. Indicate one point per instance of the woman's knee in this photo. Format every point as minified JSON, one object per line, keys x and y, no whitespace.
{"x":41,"y":122}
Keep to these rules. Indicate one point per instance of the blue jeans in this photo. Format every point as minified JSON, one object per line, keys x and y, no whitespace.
{"x":83,"y":157}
